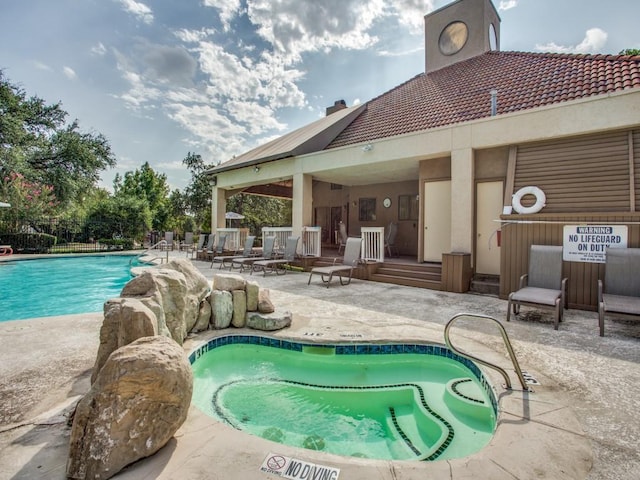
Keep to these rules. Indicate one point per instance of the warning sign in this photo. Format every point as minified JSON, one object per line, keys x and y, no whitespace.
{"x":589,"y":243}
{"x":294,"y":469}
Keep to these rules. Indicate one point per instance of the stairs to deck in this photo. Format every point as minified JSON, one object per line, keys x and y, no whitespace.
{"x":412,"y":275}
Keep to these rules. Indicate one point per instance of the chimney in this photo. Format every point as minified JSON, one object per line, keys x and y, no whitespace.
{"x":337,"y":105}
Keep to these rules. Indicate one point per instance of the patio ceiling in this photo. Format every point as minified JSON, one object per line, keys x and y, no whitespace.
{"x":398,"y":170}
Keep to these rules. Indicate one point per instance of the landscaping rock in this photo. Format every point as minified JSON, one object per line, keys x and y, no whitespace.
{"x":221,"y":309}
{"x":204,"y":317}
{"x":125,"y":321}
{"x":239,"y":308}
{"x":228,"y":282}
{"x":253,"y":290}
{"x":264,"y":302}
{"x":268,"y":321}
{"x":141,"y":396}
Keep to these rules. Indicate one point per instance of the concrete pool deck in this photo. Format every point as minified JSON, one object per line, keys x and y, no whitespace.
{"x":581,"y":422}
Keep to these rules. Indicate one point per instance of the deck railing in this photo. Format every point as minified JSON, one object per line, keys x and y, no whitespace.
{"x":311,"y":241}
{"x":372,"y":244}
{"x":235,"y":237}
{"x":281,"y":234}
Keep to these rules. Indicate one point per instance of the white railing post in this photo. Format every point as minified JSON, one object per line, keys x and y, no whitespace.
{"x":235,"y":237}
{"x":281,"y":234}
{"x":372,"y":243}
{"x":311,"y":241}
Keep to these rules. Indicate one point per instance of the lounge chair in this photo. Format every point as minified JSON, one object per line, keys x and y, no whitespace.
{"x":619,"y":294}
{"x":168,"y":241}
{"x":267,"y":254}
{"x":278,"y":264}
{"x":349,"y":262}
{"x":194,"y":248}
{"x":543,"y":286}
{"x":218,"y":249}
{"x":342,"y":233}
{"x":187,"y":242}
{"x":5,"y":250}
{"x":390,"y":240}
{"x":225,"y":260}
{"x":201,"y":253}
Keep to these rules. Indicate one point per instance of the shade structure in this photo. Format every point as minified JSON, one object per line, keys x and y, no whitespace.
{"x":233,"y":216}
{"x":4,"y":205}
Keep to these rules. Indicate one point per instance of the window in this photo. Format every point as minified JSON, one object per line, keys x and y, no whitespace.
{"x":408,"y":207}
{"x":367,"y":209}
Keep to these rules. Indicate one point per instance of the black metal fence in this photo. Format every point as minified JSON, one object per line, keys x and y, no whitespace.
{"x":55,"y":235}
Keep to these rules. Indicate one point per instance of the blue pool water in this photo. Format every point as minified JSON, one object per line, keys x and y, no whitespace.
{"x":60,"y":286}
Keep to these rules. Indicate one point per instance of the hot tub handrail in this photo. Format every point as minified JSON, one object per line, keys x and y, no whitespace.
{"x":507,"y":343}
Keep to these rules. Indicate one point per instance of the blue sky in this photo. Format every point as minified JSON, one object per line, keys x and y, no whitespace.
{"x":161,"y":78}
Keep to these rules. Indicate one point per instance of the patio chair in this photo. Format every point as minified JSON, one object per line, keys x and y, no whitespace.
{"x":268,"y":252}
{"x":342,"y":232}
{"x":168,"y":241}
{"x":247,"y":251}
{"x":218,"y":249}
{"x":619,"y":294}
{"x":349,"y":262}
{"x":390,"y":240}
{"x":194,"y":248}
{"x":201,"y":253}
{"x":543,"y":286}
{"x":187,"y":242}
{"x":278,"y":264}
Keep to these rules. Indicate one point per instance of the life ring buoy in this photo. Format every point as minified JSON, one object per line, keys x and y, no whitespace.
{"x":516,"y":200}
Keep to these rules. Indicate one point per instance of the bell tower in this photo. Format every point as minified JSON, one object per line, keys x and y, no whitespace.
{"x":459,"y":31}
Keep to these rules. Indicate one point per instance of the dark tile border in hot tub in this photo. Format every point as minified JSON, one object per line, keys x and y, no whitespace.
{"x":349,"y":349}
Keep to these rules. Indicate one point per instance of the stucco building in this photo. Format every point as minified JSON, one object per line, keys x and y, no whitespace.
{"x":443,"y":154}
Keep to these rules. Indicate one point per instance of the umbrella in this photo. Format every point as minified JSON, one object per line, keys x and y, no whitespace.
{"x":233,"y":216}
{"x":4,"y":204}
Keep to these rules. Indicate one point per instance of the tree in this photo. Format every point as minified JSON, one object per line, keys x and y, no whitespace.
{"x":630,"y":51}
{"x":36,"y":143}
{"x":198,"y":192}
{"x":126,"y":217}
{"x":150,"y":186}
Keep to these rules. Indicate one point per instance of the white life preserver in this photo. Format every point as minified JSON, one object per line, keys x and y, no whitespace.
{"x":516,"y":200}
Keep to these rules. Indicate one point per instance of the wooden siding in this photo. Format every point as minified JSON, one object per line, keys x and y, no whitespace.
{"x":635,"y":148}
{"x":546,"y":229}
{"x":583,"y":174}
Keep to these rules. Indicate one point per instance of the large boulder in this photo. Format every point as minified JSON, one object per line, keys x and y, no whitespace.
{"x":173,"y":292}
{"x":140,"y":398}
{"x":253,"y":289}
{"x":125,"y":321}
{"x":265,"y":305}
{"x":204,"y":317}
{"x":228,"y":282}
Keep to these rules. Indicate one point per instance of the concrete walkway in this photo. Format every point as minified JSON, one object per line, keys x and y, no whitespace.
{"x":581,"y":422}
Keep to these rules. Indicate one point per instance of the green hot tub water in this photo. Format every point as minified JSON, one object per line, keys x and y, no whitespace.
{"x":405,"y":406}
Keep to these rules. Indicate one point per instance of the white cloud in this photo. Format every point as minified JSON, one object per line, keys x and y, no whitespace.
{"x":69,"y":73}
{"x":411,"y":13}
{"x":43,"y":66}
{"x":139,"y":10}
{"x":99,"y":49}
{"x":507,"y":4}
{"x":228,"y":9}
{"x":293,"y":27}
{"x":594,"y":41}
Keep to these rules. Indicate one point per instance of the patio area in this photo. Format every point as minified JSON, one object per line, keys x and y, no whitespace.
{"x":581,"y":422}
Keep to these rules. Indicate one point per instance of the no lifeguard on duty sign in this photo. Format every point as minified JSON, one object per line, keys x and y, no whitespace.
{"x":294,"y":469}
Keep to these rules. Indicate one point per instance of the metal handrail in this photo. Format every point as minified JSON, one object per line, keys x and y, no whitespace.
{"x":153,"y":247}
{"x":507,"y":343}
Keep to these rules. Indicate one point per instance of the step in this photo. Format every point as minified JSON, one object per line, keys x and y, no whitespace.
{"x":486,"y":284}
{"x":430,"y":284}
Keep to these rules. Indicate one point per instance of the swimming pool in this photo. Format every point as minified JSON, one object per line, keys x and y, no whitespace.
{"x":60,"y":286}
{"x":394,"y":402}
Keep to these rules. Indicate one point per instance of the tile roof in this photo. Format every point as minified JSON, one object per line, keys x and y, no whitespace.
{"x":461,"y":92}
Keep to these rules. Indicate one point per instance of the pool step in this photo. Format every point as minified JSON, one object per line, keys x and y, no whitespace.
{"x":401,"y":421}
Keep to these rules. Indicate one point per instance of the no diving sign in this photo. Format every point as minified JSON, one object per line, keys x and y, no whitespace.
{"x":294,"y":469}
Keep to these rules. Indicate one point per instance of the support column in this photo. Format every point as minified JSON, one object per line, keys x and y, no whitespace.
{"x":218,"y":208}
{"x":302,"y":202}
{"x":462,"y":203}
